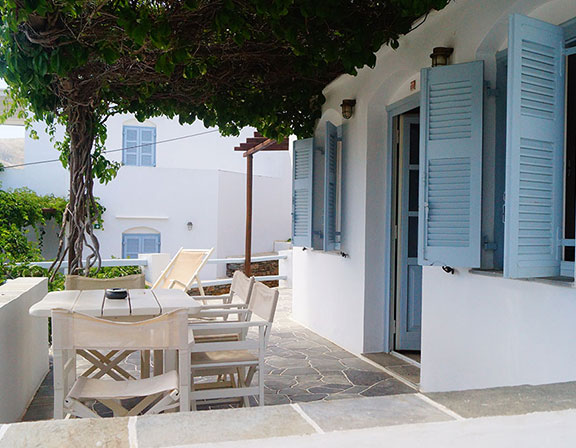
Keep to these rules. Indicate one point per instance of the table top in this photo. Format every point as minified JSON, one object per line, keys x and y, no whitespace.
{"x":140,"y":302}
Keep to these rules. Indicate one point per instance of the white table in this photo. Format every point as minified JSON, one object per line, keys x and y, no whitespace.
{"x":141,"y":304}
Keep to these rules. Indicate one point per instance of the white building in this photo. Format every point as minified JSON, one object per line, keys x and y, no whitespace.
{"x":418,"y":183}
{"x":186,"y":192}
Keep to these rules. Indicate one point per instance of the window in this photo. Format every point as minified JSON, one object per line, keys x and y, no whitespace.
{"x":540,"y":182}
{"x":316,"y":194}
{"x":140,"y":243}
{"x":139,"y":146}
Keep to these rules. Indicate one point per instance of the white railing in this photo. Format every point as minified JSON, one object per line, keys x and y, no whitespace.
{"x":218,"y":282}
{"x":261,"y":278}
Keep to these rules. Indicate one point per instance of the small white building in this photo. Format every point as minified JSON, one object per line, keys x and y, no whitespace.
{"x":441,"y":216}
{"x":186,"y":187}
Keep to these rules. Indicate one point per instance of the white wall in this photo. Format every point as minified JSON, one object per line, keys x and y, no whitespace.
{"x":485,"y":331}
{"x":23,"y":346}
{"x":354,"y":289}
{"x":199,"y":179}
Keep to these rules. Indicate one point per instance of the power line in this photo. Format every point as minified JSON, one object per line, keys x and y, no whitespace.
{"x":40,"y":162}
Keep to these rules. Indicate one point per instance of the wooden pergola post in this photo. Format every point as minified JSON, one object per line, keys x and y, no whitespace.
{"x":251,"y":147}
{"x":249,"y":197}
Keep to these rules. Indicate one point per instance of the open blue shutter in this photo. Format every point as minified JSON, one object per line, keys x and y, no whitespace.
{"x":130,"y":145}
{"x":150,"y":244}
{"x":330,"y":187}
{"x":148,"y":148}
{"x":130,"y":245}
{"x":303,"y":170}
{"x":534,"y":148}
{"x":451,"y":165}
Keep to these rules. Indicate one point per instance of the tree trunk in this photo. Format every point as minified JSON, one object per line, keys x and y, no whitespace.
{"x":81,"y":212}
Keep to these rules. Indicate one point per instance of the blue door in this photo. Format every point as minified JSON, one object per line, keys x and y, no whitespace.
{"x":408,"y":271}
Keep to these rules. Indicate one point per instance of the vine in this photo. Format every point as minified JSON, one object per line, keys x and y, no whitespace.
{"x":229,"y":63}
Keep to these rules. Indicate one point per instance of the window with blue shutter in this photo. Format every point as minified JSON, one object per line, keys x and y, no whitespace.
{"x":451,"y":165}
{"x":331,"y":233}
{"x":534,"y":149}
{"x":139,"y":146}
{"x":302,"y":183}
{"x":140,"y":243}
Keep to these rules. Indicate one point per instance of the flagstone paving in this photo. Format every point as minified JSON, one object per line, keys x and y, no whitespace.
{"x":300,"y":367}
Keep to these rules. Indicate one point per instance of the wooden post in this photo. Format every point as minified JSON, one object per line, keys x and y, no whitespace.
{"x":248,"y":248}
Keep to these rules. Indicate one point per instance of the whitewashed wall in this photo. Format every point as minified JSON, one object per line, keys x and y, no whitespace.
{"x":352,"y":291}
{"x":485,"y":331}
{"x":200,"y":180}
{"x":23,"y":346}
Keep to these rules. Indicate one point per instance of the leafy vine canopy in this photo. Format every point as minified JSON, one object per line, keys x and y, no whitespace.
{"x":229,"y":63}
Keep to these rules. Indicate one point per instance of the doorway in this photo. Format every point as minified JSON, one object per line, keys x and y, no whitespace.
{"x":407,"y":274}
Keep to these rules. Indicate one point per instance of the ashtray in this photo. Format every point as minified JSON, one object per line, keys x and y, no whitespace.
{"x":116,"y":293}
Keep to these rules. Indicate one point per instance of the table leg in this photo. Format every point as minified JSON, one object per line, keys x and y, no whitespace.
{"x":158,"y":362}
{"x":145,"y":364}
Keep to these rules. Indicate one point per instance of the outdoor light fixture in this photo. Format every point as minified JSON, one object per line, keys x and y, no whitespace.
{"x":347,"y":108}
{"x":189,"y":225}
{"x":440,"y":55}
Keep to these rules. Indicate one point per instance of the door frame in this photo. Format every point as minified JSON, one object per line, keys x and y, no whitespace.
{"x":393,"y":111}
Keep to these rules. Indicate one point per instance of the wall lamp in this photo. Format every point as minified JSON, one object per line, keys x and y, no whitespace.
{"x":440,"y":55}
{"x":189,"y":225}
{"x":347,"y":108}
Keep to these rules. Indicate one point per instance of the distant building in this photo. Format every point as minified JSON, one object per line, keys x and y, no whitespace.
{"x":186,"y":192}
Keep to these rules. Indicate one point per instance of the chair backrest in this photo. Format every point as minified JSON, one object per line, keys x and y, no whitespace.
{"x":241,"y":286}
{"x":134,"y":281}
{"x":263,"y":301}
{"x":183,"y":269}
{"x":74,"y":331}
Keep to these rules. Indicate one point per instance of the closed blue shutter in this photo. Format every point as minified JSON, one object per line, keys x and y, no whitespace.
{"x":330,"y":187}
{"x":130,"y":144}
{"x":303,"y":170}
{"x":534,"y":148}
{"x":451,"y":165}
{"x":130,"y":245}
{"x":150,"y":244}
{"x":148,"y":148}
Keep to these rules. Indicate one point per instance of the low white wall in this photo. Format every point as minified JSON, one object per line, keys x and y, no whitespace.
{"x":23,"y":346}
{"x":156,"y":264}
{"x":482,"y":331}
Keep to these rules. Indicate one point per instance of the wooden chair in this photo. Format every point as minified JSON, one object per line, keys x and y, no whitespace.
{"x":240,"y":359}
{"x":227,"y":304}
{"x":183,"y":270}
{"x":107,"y":363}
{"x":79,"y":282}
{"x":74,"y":331}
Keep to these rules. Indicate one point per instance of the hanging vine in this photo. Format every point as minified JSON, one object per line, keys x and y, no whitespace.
{"x":230,"y":63}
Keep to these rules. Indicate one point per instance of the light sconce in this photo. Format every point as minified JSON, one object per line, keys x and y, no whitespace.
{"x":189,"y":225}
{"x":440,"y":55}
{"x":347,"y":108}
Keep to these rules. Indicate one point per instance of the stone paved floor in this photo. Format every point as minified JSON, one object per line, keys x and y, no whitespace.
{"x":300,"y":367}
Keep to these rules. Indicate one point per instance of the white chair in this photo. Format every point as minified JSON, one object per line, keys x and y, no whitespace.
{"x":74,"y":331}
{"x":106,"y":363}
{"x":183,"y":270}
{"x":242,"y":358}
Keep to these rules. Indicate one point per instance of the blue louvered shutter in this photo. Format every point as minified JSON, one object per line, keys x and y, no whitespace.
{"x":150,"y":244}
{"x":130,"y":245}
{"x":147,"y":146}
{"x":331,"y":239}
{"x":451,"y":165}
{"x":302,"y":180}
{"x":534,"y":148}
{"x":130,"y":143}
